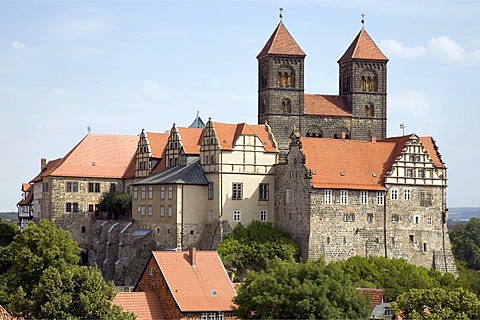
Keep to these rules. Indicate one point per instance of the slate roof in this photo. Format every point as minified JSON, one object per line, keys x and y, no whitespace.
{"x":145,"y":305}
{"x":326,"y":105}
{"x":197,"y":123}
{"x":191,"y":173}
{"x":203,"y":287}
{"x":363,"y":48}
{"x":281,"y":42}
{"x":227,"y":134}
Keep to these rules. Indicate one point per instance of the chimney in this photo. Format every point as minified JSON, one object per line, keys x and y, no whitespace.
{"x":193,"y":256}
{"x":344,"y":135}
{"x":43,"y":163}
{"x":374,"y":139}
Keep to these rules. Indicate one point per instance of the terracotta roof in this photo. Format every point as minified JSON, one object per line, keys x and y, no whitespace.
{"x":4,"y":315}
{"x":145,"y":305}
{"x":326,"y":105}
{"x":191,"y":139}
{"x":281,"y":42}
{"x":363,"y":48}
{"x":26,"y":187}
{"x":227,"y":134}
{"x":26,"y":201}
{"x":51,"y":165}
{"x":432,"y":150}
{"x":158,"y":143}
{"x":376,"y":296}
{"x":99,"y":156}
{"x":203,"y":287}
{"x":347,"y":164}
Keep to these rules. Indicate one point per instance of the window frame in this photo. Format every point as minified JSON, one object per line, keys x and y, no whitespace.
{"x":237,"y":216}
{"x":263,"y":215}
{"x":344,"y":197}
{"x":327,"y":196}
{"x":210,"y":190}
{"x":237,"y":191}
{"x":263,"y":192}
{"x":364,"y":197}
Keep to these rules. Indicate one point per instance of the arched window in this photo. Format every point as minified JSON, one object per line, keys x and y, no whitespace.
{"x":286,"y":106}
{"x":369,"y":83}
{"x":369,"y":110}
{"x":285,"y":77}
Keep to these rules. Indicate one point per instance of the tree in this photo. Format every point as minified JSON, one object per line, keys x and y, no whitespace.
{"x":438,"y":303}
{"x":117,"y":204}
{"x":8,"y":231}
{"x":45,"y":256}
{"x":289,"y":290}
{"x":250,"y":248}
{"x":466,"y":243}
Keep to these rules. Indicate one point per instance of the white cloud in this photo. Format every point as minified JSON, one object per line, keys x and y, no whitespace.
{"x":396,"y":48}
{"x":446,"y":49}
{"x":17,"y":45}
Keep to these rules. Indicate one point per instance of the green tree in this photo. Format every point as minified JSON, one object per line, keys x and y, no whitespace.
{"x":289,"y":290}
{"x":438,"y":303}
{"x":466,"y":243}
{"x":8,"y":231}
{"x":250,"y":248}
{"x":117,"y":204}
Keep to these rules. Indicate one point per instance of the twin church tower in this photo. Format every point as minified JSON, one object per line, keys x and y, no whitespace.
{"x":358,"y":112}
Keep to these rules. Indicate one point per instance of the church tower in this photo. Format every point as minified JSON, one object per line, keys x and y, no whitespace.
{"x":363,"y":82}
{"x":281,"y":85}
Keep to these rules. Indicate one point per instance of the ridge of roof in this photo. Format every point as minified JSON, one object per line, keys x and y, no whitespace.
{"x":50,"y":166}
{"x":228,"y":134}
{"x":145,"y":305}
{"x":281,"y":42}
{"x":326,"y":105}
{"x":191,"y":173}
{"x":363,"y":48}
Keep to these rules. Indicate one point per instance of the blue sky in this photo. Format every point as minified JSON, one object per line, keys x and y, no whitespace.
{"x":120,"y":66}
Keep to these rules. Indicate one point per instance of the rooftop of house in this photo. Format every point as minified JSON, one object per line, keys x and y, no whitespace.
{"x":145,"y":305}
{"x":190,"y":173}
{"x":228,"y":134}
{"x":363,"y":48}
{"x":326,"y":105}
{"x":281,"y":42}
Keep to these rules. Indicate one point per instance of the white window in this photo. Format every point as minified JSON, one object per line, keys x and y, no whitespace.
{"x":150,"y":271}
{"x":237,"y":191}
{"x":170,"y":192}
{"x":212,"y":316}
{"x":135,"y":193}
{"x":210,"y":215}
{"x":143,"y":192}
{"x":429,"y":221}
{"x":162,"y":192}
{"x":150,"y":192}
{"x":221,"y":315}
{"x":204,"y":316}
{"x":236,"y":215}
{"x":406,"y":194}
{"x":421,"y":174}
{"x":416,"y":219}
{"x":364,"y":197}
{"x":344,"y":196}
{"x":263,"y":215}
{"x":380,"y":198}
{"x":327,"y":196}
{"x":162,"y":211}
{"x":288,"y":196}
{"x":150,"y":210}
{"x":409,"y":173}
{"x":263,"y":192}
{"x":170,"y":211}
{"x":394,"y":194}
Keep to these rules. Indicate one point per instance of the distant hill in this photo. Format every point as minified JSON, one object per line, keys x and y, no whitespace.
{"x":458,"y":214}
{"x":11,"y":216}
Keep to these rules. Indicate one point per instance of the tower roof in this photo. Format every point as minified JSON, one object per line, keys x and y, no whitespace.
{"x":281,"y":42}
{"x":363,"y":48}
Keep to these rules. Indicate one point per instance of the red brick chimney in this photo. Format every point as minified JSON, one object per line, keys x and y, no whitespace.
{"x":43,"y":163}
{"x":193,"y":256}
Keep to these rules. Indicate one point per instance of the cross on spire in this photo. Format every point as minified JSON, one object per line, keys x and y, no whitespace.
{"x":363,"y":20}
{"x":281,"y":14}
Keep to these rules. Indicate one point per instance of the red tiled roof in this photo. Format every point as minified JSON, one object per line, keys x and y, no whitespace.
{"x":281,"y":42}
{"x":347,"y":164}
{"x":99,"y":156}
{"x":326,"y":105}
{"x":26,"y":201}
{"x":145,"y":305}
{"x":432,"y":150}
{"x":158,"y":143}
{"x":364,"y":48}
{"x":51,"y":165}
{"x":191,"y":139}
{"x":26,"y":187}
{"x":203,"y":287}
{"x":376,"y":296}
{"x":227,"y":134}
{"x":4,"y":315}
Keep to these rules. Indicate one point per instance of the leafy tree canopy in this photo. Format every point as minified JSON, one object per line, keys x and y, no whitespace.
{"x":289,"y":290}
{"x":438,"y":303}
{"x":466,"y":243}
{"x":115,"y":203}
{"x":251,"y":247}
{"x":8,"y":231}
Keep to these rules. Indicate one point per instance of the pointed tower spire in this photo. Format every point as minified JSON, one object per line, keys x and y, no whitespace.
{"x":281,"y":42}
{"x":363,"y":48}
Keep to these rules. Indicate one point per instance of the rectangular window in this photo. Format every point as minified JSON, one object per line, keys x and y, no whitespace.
{"x":162,"y":211}
{"x":90,"y":207}
{"x":344,"y":196}
{"x":429,"y":221}
{"x":142,"y":210}
{"x":263,"y":192}
{"x":263,"y":215}
{"x":204,"y":316}
{"x":135,"y":193}
{"x":237,"y":191}
{"x":394,"y":194}
{"x":162,"y":192}
{"x":212,"y":316}
{"x":210,"y":191}
{"x":143,"y":192}
{"x":394,"y":218}
{"x":236,"y":215}
{"x":420,"y":174}
{"x":45,"y":187}
{"x":328,"y":196}
{"x":170,"y":211}
{"x":425,"y":198}
{"x":288,"y":196}
{"x":113,"y":187}
{"x":210,"y":215}
{"x":409,"y":173}
{"x":170,"y":192}
{"x":71,"y":207}
{"x":97,"y":187}
{"x":75,"y":207}
{"x":68,"y":187}
{"x":406,"y":195}
{"x":221,"y":316}
{"x":91,"y":187}
{"x":364,"y":197}
{"x":150,"y":210}
{"x":379,"y":198}
{"x":369,"y":217}
{"x":68,"y":207}
{"x":150,"y":192}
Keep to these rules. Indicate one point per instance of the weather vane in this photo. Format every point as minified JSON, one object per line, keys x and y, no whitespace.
{"x":89,"y":129}
{"x":281,"y":14}
{"x":403,"y":126}
{"x":363,"y":20}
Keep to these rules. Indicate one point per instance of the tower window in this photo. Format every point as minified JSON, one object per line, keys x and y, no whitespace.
{"x":285,"y":79}
{"x":286,"y":106}
{"x":369,"y":84}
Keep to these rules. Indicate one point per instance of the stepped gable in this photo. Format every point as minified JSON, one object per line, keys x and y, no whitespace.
{"x":200,"y":286}
{"x":347,"y":164}
{"x":145,"y":305}
{"x":100,"y":156}
{"x":326,"y":105}
{"x":363,"y":48}
{"x":227,"y":134}
{"x":281,"y":42}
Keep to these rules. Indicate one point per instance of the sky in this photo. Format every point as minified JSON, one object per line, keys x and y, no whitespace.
{"x":122,"y":66}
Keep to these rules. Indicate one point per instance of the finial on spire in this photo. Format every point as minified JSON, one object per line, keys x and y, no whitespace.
{"x":281,"y":14}
{"x":363,"y":20}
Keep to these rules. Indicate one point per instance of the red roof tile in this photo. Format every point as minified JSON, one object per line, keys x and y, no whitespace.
{"x":432,"y":150}
{"x":363,"y":48}
{"x":145,"y":305}
{"x":158,"y":143}
{"x":326,"y":105}
{"x":51,"y":165}
{"x":191,"y":139}
{"x":99,"y":156}
{"x":203,"y":287}
{"x":281,"y":42}
{"x":26,"y":187}
{"x":26,"y":201}
{"x":227,"y":134}
{"x":347,"y":164}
